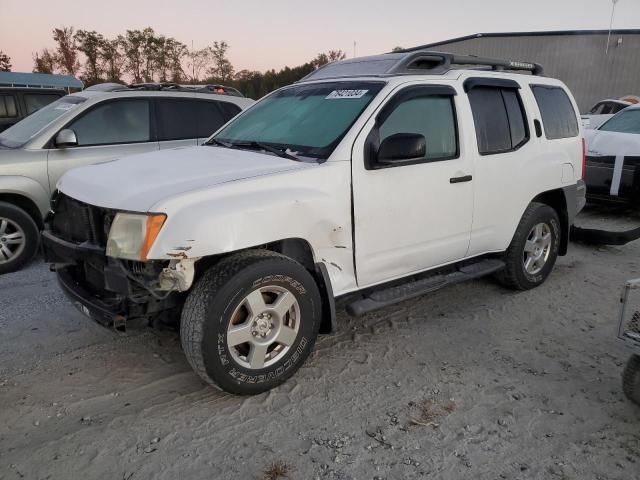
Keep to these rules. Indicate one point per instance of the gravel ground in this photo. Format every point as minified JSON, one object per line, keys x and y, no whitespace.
{"x":474,"y":381}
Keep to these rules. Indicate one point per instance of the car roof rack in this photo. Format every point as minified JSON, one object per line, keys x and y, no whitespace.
{"x":414,"y":61}
{"x":166,"y":86}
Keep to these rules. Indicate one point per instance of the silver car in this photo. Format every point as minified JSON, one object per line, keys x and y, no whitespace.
{"x":92,"y":126}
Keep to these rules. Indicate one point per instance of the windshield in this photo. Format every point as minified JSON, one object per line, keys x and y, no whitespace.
{"x":23,"y":131}
{"x":306,"y":119}
{"x":627,"y":121}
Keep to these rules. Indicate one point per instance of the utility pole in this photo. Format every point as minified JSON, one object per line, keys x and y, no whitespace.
{"x":613,"y":9}
{"x":354,"y":49}
{"x":193,"y":65}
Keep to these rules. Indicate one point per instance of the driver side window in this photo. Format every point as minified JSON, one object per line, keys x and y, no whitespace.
{"x":122,"y":121}
{"x":432,"y":116}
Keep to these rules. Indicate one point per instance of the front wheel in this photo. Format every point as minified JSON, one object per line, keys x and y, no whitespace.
{"x":251,"y":321}
{"x":534,"y":248}
{"x":19,"y":238}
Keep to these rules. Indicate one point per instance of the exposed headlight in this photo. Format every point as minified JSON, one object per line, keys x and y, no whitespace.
{"x":132,"y":235}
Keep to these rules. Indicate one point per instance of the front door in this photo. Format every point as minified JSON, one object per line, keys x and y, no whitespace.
{"x":416,"y":214}
{"x":108,"y":131}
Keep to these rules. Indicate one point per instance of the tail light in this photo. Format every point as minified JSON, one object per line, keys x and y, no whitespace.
{"x":584,"y":159}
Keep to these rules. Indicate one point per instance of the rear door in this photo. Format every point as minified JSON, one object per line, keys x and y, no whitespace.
{"x":107,"y":131}
{"x":505,"y":168}
{"x":186,"y":121}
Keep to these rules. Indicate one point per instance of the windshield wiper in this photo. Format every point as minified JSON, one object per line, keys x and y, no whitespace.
{"x":215,"y":141}
{"x":281,"y":152}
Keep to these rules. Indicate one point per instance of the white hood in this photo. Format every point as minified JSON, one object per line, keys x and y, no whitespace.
{"x":601,"y":142}
{"x":138,"y":182}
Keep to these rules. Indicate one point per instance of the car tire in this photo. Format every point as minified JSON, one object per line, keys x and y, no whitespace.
{"x":534,"y":249}
{"x":631,"y":379}
{"x":251,"y":321}
{"x":19,"y":238}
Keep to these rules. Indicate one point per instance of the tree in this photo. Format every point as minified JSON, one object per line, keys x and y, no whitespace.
{"x":66,"y":51}
{"x":197,"y":62}
{"x":5,"y":62}
{"x":175,"y":51}
{"x":329,"y":57}
{"x":397,"y":49}
{"x":45,"y":62}
{"x":90,"y":44}
{"x":133,"y":48}
{"x":112,"y":58}
{"x":221,"y":70}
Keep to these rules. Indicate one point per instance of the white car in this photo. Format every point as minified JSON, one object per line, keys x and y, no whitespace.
{"x":382,"y":177}
{"x":603,"y":111}
{"x":613,"y":158}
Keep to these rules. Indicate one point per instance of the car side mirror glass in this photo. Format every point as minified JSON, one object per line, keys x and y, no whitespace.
{"x":66,"y":138}
{"x":402,"y":147}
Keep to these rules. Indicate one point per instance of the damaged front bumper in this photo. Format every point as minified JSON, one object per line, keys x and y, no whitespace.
{"x":113,"y":292}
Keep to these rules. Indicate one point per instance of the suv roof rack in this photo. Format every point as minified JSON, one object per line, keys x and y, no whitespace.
{"x":414,"y":61}
{"x":166,"y":86}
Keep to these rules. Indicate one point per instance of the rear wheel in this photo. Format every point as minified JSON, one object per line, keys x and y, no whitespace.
{"x":251,"y":321}
{"x":19,"y":237}
{"x":534,"y":248}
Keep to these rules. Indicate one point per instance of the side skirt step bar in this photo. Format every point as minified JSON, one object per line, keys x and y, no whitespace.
{"x":389,"y":296}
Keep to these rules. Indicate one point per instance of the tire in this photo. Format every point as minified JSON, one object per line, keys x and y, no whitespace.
{"x":631,"y":379}
{"x":519,"y":274}
{"x":244,"y":290}
{"x":19,"y":238}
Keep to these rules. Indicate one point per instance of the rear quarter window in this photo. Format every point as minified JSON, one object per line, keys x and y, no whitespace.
{"x":559,"y":119}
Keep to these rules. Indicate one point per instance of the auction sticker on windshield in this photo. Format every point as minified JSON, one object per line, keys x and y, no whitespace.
{"x":346,"y":94}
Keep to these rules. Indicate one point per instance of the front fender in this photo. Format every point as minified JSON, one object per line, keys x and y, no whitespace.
{"x":256,"y":212}
{"x":28,"y":188}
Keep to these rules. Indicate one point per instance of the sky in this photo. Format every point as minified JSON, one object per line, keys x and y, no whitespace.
{"x":276,"y":33}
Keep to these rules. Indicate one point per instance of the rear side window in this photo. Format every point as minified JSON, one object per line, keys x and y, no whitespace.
{"x":35,"y":101}
{"x":8,"y":106}
{"x":558,"y":116}
{"x":499,"y":118}
{"x":180,"y":119}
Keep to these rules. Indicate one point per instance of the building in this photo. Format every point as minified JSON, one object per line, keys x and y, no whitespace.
{"x":591,"y":69}
{"x":39,"y":80}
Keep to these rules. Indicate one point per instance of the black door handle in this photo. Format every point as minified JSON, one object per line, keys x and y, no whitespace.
{"x":466,"y":178}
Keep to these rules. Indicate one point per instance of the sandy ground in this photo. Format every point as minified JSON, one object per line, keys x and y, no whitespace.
{"x":473,"y":382}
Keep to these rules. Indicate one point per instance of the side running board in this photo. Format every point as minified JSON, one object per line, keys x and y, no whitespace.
{"x":389,"y":296}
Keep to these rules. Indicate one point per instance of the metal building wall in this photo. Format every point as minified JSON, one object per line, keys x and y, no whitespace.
{"x":579,"y":60}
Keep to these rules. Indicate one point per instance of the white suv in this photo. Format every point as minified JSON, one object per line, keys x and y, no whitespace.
{"x":383,"y":177}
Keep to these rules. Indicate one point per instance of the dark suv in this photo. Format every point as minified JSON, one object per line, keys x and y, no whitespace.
{"x":17,"y":103}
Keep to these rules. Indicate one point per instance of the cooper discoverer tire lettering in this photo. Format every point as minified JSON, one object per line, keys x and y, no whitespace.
{"x":251,"y":321}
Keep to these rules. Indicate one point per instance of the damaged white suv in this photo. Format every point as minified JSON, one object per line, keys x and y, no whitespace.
{"x":382,"y":177}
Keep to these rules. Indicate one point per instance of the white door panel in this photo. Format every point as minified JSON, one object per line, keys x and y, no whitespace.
{"x":409,"y":218}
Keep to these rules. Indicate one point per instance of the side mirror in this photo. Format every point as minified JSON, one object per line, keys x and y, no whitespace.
{"x":66,"y":138}
{"x":402,"y":147}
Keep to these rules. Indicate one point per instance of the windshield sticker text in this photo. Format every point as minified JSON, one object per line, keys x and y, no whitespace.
{"x":346,"y":94}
